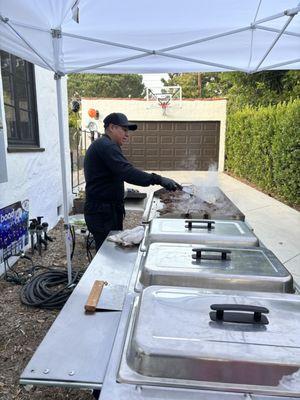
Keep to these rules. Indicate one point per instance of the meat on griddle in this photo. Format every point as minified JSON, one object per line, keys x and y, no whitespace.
{"x":185,"y":206}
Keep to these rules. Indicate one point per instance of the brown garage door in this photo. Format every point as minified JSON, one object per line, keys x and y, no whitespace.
{"x":174,"y":146}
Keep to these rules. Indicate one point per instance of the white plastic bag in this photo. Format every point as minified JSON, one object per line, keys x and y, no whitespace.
{"x":129,"y":237}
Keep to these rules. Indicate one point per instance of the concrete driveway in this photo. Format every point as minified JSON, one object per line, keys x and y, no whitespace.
{"x":276,"y":225}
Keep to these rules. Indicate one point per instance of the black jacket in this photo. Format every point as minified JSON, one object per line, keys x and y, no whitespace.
{"x":106,"y":169}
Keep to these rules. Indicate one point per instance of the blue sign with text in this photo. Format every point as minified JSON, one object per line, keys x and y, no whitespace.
{"x":14,"y":227}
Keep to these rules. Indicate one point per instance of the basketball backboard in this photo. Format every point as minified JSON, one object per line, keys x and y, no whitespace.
{"x":164,"y":97}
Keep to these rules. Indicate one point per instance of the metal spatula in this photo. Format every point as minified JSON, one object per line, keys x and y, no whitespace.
{"x":189,"y":190}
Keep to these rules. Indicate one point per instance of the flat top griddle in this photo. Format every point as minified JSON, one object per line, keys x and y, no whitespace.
{"x":206,"y":203}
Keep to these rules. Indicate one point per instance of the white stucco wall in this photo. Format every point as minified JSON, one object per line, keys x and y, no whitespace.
{"x":141,"y":110}
{"x":37,"y":175}
{"x":3,"y":168}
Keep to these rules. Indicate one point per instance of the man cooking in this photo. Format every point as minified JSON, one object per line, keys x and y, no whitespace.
{"x":106,"y":169}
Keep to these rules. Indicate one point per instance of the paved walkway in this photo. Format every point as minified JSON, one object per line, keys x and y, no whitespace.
{"x":276,"y":225}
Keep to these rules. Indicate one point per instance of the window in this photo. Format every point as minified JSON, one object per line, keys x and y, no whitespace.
{"x":19,"y":101}
{"x":3,"y":168}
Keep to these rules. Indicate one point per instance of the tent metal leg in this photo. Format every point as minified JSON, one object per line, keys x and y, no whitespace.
{"x":64,"y":175}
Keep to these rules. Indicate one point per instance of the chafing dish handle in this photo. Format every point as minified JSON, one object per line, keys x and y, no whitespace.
{"x":208,"y":223}
{"x":199,"y":252}
{"x":239,"y":317}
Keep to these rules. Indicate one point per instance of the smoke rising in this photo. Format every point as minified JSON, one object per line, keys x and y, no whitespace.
{"x":207,"y":200}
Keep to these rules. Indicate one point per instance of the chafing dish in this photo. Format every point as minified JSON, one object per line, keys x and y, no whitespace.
{"x":178,"y":264}
{"x":214,"y":233}
{"x":190,"y":338}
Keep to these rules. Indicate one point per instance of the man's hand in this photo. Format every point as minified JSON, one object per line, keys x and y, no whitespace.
{"x":169,"y":184}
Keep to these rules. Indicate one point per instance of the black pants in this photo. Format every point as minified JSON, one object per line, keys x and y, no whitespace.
{"x":101,"y":218}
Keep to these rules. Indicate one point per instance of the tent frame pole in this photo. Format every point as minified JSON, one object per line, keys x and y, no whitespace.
{"x":120,"y":60}
{"x":268,"y":29}
{"x":274,"y":42}
{"x":57,"y":78}
{"x":279,"y":64}
{"x":6,"y":21}
{"x":56,"y":42}
{"x":288,"y":12}
{"x":163,"y":52}
{"x":193,"y":60}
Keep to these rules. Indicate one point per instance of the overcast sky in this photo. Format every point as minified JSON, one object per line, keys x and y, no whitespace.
{"x":153,"y":80}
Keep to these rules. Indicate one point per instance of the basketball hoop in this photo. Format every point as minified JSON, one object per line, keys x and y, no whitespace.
{"x":164,"y":105}
{"x":164,"y":97}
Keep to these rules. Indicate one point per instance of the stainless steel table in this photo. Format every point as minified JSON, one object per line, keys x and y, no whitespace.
{"x":76,"y":350}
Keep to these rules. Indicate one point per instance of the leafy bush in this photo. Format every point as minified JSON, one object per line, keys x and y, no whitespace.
{"x":263,"y":147}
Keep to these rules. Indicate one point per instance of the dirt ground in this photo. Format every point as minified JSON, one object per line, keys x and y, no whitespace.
{"x":22,"y":328}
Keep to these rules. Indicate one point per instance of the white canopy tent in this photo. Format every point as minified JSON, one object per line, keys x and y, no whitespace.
{"x":141,"y":36}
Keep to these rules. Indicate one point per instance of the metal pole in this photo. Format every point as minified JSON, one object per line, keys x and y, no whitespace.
{"x":279,"y":64}
{"x":6,"y":21}
{"x":63,"y":173}
{"x":199,"y":85}
{"x":274,"y":42}
{"x":78,"y":153}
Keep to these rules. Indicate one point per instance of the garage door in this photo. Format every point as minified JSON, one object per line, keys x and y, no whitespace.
{"x":174,"y":146}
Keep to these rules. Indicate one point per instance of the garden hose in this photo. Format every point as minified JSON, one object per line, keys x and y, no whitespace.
{"x":49,"y":290}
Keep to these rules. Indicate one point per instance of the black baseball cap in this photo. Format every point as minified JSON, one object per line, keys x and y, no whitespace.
{"x":119,"y":119}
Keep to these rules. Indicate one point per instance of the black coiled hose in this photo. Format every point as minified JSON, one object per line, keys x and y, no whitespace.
{"x":49,"y":289}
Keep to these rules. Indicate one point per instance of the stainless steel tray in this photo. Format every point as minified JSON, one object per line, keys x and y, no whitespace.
{"x":214,"y":233}
{"x":173,"y":340}
{"x":177,"y":264}
{"x":208,"y":203}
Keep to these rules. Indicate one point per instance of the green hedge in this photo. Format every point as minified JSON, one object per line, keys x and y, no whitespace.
{"x":263,"y":147}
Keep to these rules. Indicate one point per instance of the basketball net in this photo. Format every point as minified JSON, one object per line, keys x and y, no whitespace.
{"x":164,"y":105}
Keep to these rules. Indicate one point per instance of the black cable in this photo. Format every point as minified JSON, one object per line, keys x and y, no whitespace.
{"x":49,"y":289}
{"x":10,"y":274}
{"x":90,"y":242}
{"x":73,"y":236}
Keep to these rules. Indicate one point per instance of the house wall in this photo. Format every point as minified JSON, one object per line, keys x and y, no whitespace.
{"x":3,"y":168}
{"x":142,"y":110}
{"x":37,"y":175}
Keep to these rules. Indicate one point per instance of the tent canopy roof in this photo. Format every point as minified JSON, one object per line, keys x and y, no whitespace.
{"x":137,"y":36}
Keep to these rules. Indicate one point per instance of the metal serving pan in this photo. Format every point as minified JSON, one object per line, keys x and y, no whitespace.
{"x":177,"y":264}
{"x":205,"y":203}
{"x":214,"y":233}
{"x":217,"y":340}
